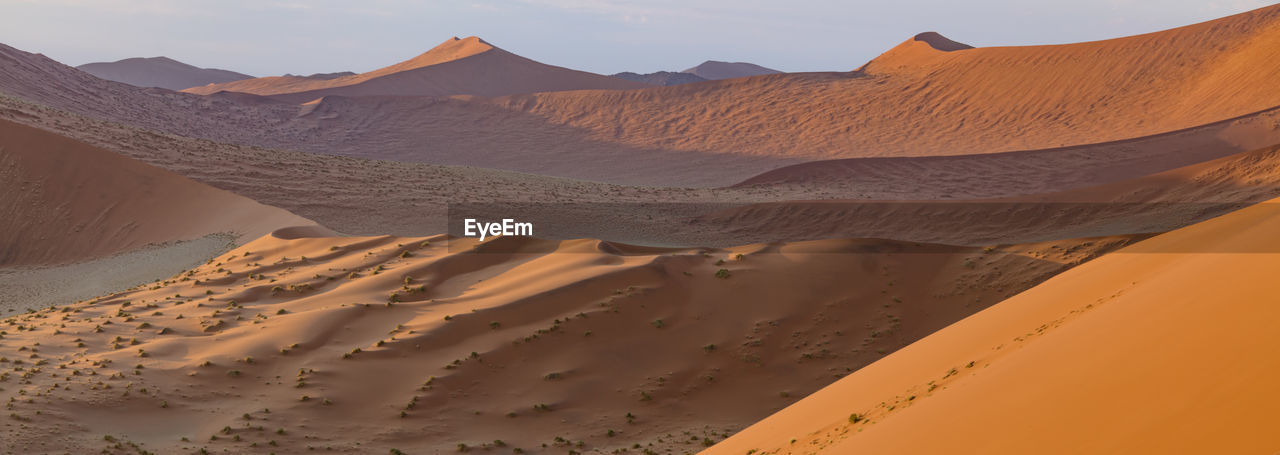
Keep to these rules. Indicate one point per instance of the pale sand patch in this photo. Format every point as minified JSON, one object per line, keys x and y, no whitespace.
{"x":41,"y":287}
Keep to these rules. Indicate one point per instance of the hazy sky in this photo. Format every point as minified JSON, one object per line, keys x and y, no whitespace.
{"x":267,"y":37}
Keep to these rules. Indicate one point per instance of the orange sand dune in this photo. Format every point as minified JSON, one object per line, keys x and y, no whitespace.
{"x":1167,"y":346}
{"x":66,"y":201}
{"x":468,"y":66}
{"x":918,"y":100}
{"x":364,"y":344}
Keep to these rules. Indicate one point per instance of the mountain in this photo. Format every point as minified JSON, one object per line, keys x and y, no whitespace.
{"x":663,"y":78}
{"x":713,"y":70}
{"x":324,"y":76}
{"x":1102,"y":350}
{"x":160,"y":72}
{"x":468,"y":66}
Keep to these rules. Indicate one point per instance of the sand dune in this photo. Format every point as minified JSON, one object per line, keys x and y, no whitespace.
{"x":38,"y":79}
{"x":421,"y":344}
{"x":160,"y":72}
{"x":1127,"y":354}
{"x":68,"y":201}
{"x":915,"y":100}
{"x":714,"y":70}
{"x":468,"y":66}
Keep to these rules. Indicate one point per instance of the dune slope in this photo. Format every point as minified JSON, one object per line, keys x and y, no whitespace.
{"x":67,"y":201}
{"x":1164,"y":346}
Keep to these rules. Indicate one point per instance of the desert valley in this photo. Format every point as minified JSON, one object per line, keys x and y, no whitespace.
{"x":1063,"y":248}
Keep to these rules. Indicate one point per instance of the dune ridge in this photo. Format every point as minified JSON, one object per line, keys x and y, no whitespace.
{"x":467,"y":66}
{"x":450,"y":50}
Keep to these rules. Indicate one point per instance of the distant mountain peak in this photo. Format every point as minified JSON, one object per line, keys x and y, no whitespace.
{"x":714,"y":69}
{"x":661,"y":78}
{"x":159,"y":71}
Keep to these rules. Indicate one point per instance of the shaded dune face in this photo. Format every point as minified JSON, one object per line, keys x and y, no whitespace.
{"x":67,"y":201}
{"x":939,"y":42}
{"x":421,"y":344}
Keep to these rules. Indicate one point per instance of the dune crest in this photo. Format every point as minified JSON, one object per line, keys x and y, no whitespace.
{"x":458,"y":66}
{"x":939,"y":42}
{"x":921,"y":49}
